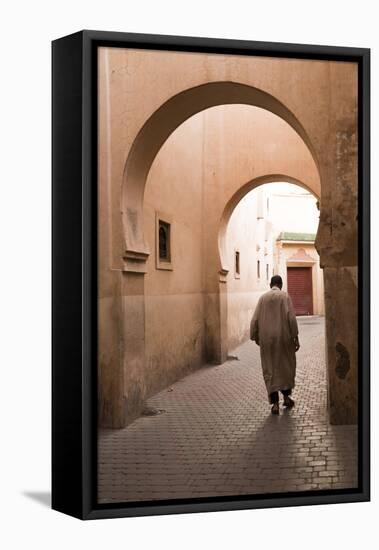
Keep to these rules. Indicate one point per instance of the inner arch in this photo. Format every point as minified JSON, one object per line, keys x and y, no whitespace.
{"x":239,"y":195}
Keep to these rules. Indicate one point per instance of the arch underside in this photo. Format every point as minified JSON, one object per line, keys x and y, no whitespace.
{"x":237,"y":197}
{"x":157,"y":130}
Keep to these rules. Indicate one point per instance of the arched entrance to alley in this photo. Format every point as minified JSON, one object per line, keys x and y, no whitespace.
{"x":146,"y":146}
{"x":126,"y":383}
{"x":242,"y":192}
{"x":268,"y":227}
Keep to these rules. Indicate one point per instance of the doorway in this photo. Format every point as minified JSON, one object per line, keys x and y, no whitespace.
{"x":299,"y":285}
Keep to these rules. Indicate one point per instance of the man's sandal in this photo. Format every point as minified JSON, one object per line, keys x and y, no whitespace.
{"x":275,"y":408}
{"x":288,"y":402}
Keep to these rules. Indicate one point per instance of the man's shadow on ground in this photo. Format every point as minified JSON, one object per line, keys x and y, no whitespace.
{"x":42,"y":497}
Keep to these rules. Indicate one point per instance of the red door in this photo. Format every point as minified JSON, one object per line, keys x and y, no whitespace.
{"x":299,"y":284}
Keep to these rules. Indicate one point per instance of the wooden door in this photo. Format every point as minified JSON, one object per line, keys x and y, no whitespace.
{"x":299,"y":284}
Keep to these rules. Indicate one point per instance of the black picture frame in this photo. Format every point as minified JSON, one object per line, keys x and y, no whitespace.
{"x":74,"y":272}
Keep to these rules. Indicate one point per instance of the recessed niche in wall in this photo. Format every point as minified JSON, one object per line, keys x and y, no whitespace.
{"x":163,"y":240}
{"x":237,"y":266}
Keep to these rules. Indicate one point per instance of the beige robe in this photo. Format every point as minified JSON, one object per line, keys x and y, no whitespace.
{"x":273,"y":328}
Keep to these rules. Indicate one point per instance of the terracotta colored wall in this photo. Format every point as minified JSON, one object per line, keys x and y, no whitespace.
{"x":316,"y":98}
{"x":174,"y":305}
{"x":252,"y":236}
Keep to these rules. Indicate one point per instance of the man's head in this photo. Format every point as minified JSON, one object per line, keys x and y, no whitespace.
{"x":276,"y":280}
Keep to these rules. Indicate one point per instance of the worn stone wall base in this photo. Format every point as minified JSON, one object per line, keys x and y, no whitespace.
{"x":216,"y":313}
{"x":133,"y":344}
{"x":110,"y":371}
{"x":341,"y":306}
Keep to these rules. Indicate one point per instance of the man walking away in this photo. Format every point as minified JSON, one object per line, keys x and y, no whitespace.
{"x":274,"y":328}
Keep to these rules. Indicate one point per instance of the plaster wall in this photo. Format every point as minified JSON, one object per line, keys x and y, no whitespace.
{"x":250,"y":232}
{"x":174,"y":304}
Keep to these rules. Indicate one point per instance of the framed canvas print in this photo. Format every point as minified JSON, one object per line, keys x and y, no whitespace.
{"x":210,"y":274}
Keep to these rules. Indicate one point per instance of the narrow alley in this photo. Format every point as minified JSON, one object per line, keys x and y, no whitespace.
{"x":215,"y":435}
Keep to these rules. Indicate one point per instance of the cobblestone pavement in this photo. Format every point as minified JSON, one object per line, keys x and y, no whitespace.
{"x":217,"y":436}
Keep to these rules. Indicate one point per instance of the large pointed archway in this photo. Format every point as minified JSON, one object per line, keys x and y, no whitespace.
{"x":122,"y":385}
{"x":155,"y":132}
{"x":144,"y":150}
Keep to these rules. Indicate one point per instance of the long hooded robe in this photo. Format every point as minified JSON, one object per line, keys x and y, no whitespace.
{"x":273,"y":327}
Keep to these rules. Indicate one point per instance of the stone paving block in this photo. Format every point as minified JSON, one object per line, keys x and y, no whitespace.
{"x":218,"y":437}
